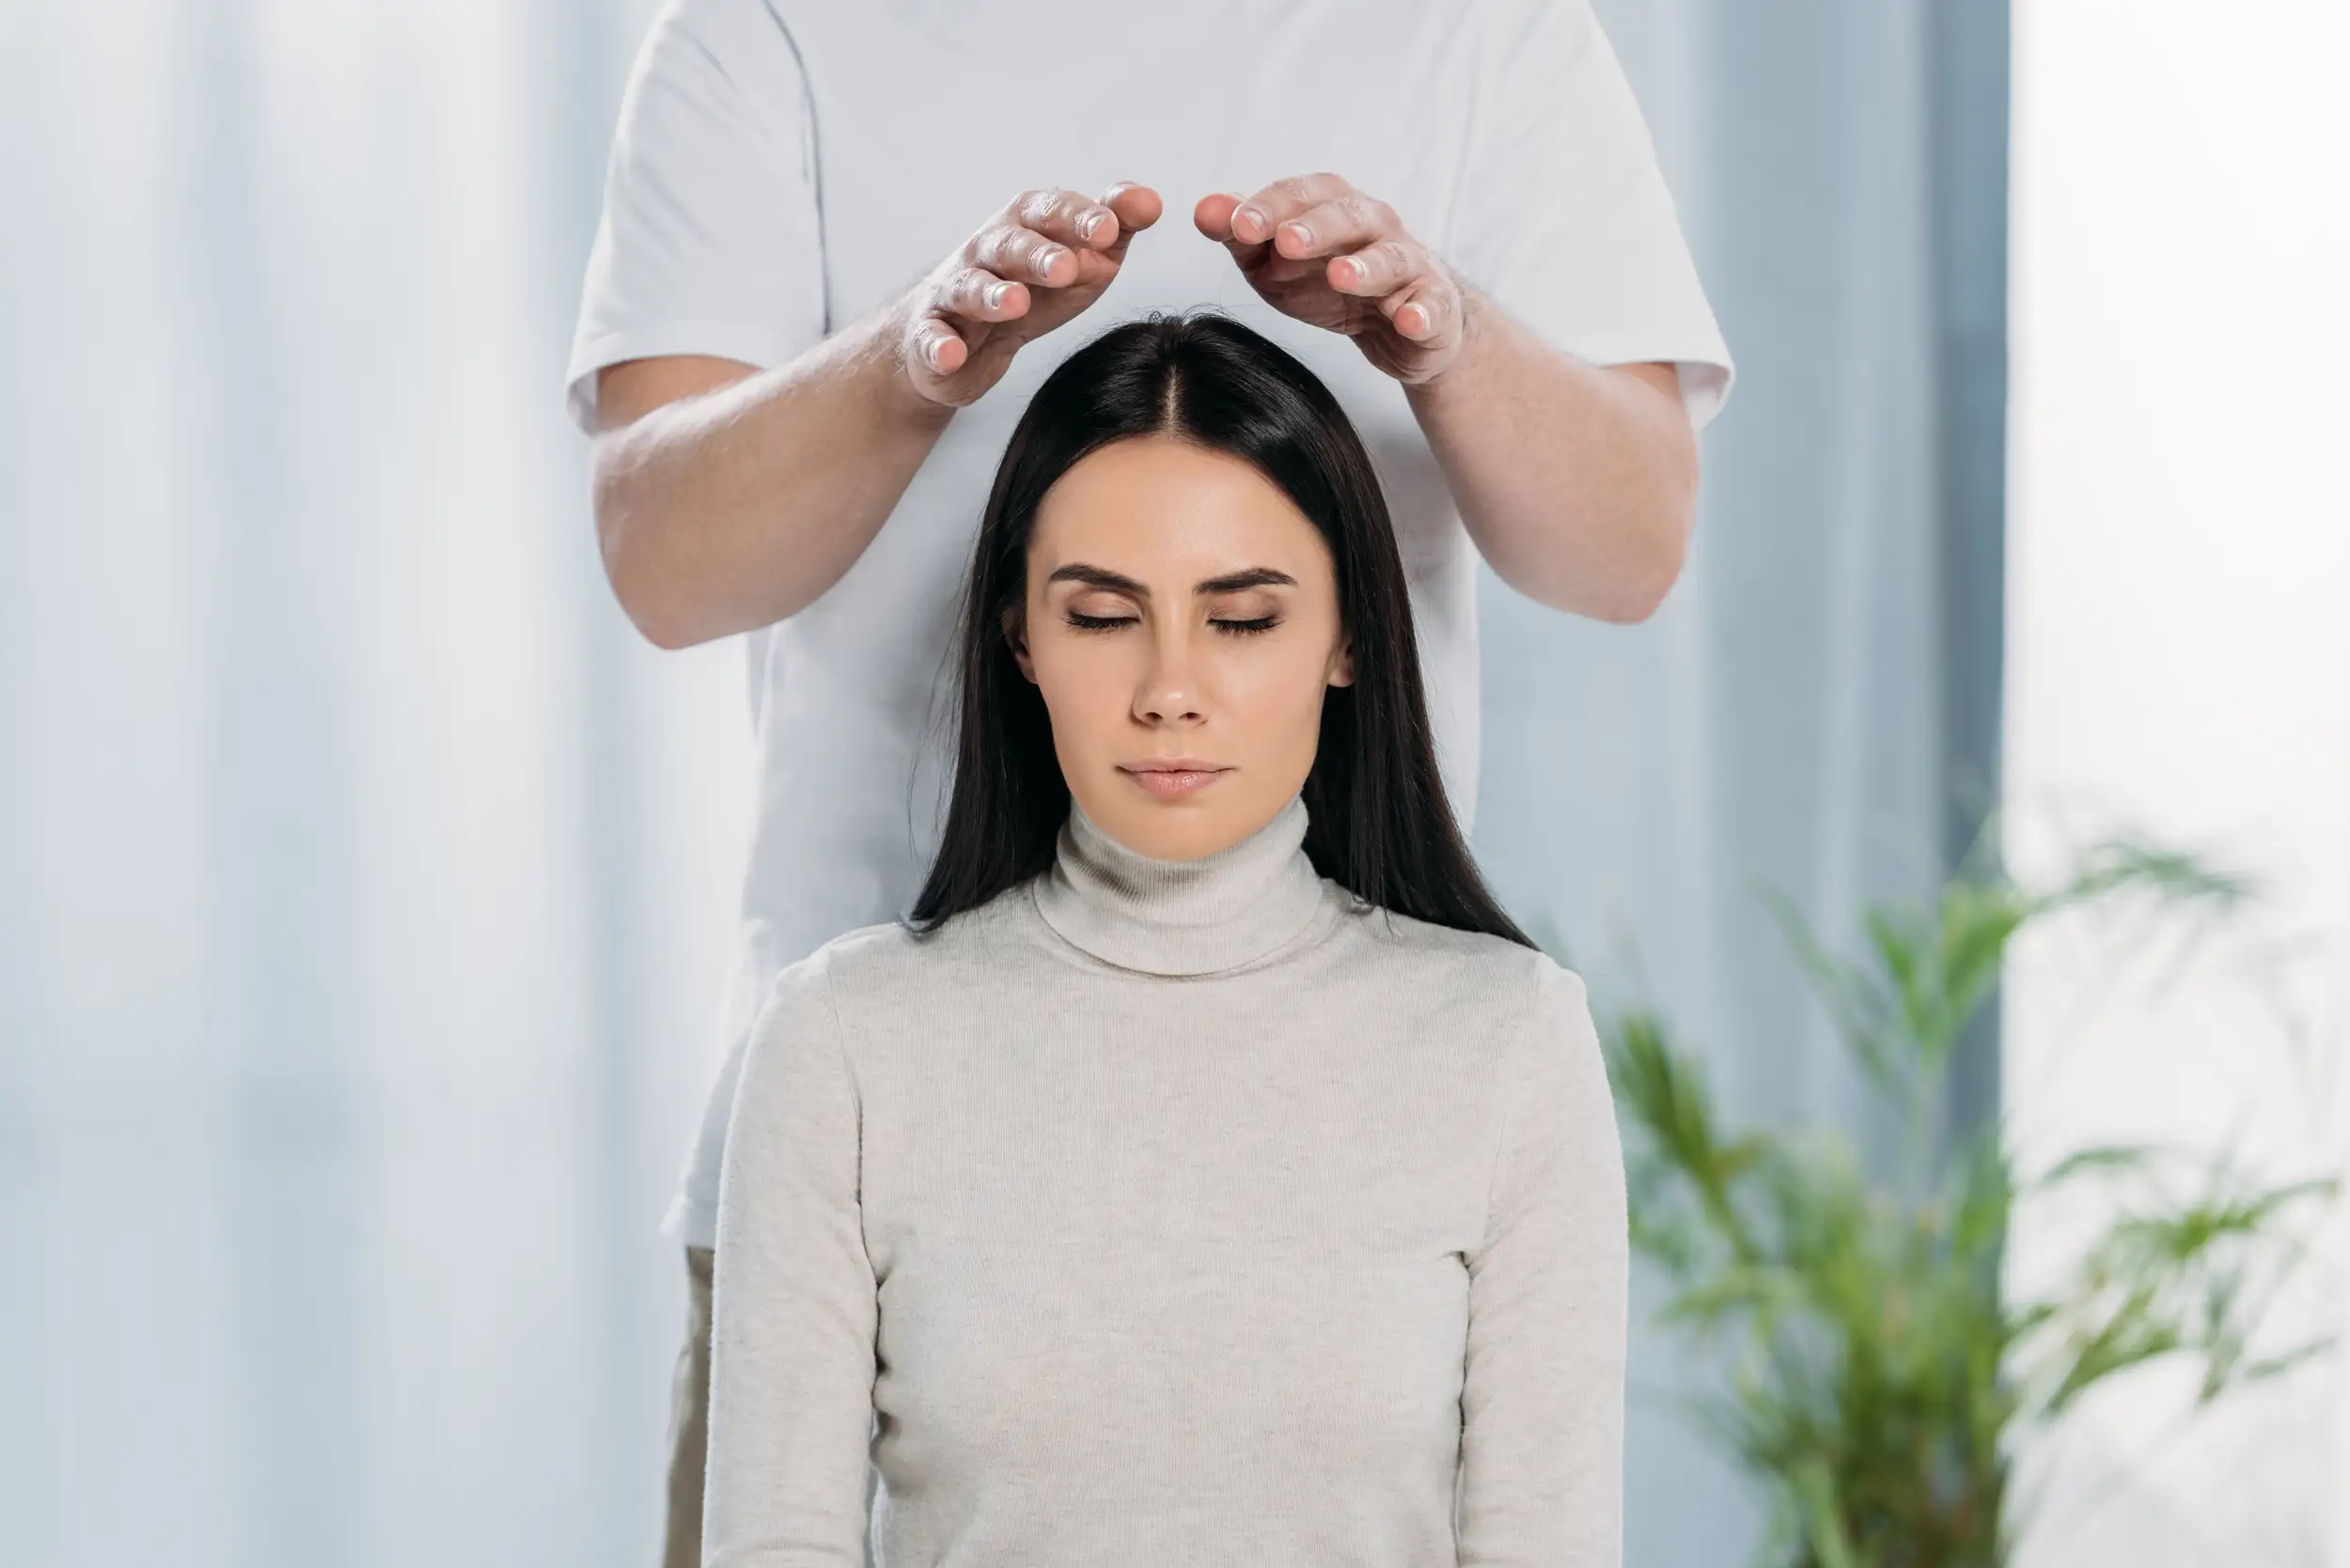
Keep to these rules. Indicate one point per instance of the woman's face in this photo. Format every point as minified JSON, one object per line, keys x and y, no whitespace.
{"x":1180,"y":610}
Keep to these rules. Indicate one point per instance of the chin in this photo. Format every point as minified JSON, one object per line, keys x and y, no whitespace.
{"x":1186,"y":827}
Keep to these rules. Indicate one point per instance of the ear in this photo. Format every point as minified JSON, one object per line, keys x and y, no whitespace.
{"x":1015,"y":634}
{"x":1342,"y":664}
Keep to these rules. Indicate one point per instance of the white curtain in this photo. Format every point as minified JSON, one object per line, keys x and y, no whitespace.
{"x":364,"y":877}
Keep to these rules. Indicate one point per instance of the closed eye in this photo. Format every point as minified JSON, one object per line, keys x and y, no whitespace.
{"x":1083,"y":622}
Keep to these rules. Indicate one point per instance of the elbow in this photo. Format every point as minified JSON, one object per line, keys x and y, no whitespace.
{"x":1664,"y":550}
{"x":631,"y":568}
{"x":1645,"y":590}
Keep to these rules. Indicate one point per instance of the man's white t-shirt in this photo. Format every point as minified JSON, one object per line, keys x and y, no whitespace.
{"x":782,"y":166}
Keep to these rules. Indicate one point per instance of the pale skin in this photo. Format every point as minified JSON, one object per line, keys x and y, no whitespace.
{"x":722,"y":504}
{"x":1179,"y":607}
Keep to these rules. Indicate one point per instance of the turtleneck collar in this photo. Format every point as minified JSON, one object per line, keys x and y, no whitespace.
{"x":1180,"y":916}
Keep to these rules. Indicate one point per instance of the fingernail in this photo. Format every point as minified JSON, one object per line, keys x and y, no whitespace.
{"x":1249,"y":212}
{"x":1304,"y":235}
{"x":1045,"y":258}
{"x":996,"y":293}
{"x":1356,"y":271}
{"x":1086,"y":224}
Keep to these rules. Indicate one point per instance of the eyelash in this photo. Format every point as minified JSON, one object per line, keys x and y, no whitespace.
{"x":1232,"y":628}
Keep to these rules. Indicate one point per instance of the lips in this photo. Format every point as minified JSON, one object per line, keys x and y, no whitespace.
{"x":1174,"y":777}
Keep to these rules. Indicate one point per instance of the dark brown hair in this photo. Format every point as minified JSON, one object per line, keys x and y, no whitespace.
{"x":1378,"y":822}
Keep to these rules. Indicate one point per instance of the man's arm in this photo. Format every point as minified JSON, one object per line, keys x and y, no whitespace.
{"x":1577,"y":481}
{"x":727,"y":498}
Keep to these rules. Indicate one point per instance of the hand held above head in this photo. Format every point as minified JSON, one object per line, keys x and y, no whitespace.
{"x":1041,"y":261}
{"x":1317,"y":249}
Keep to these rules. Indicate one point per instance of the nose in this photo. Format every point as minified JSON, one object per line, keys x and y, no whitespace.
{"x":1169,"y":692}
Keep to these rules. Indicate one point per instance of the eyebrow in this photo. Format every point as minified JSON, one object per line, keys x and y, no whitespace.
{"x":1118,"y":582}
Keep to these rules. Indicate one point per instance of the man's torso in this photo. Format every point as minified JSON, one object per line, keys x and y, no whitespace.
{"x":924,"y":126}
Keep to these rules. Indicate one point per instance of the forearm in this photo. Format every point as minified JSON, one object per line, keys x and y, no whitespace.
{"x":1576,"y":482}
{"x":732,"y":509}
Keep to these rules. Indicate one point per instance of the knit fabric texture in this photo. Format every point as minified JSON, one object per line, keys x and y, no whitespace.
{"x":1170,"y":1215}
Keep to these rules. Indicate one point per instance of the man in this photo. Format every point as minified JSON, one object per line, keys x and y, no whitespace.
{"x":1451,"y":212}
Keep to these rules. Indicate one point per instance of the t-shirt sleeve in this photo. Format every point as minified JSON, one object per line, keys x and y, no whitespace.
{"x":795,"y":1306}
{"x":1543,"y":1399}
{"x":710,"y":240}
{"x":1564,"y":218}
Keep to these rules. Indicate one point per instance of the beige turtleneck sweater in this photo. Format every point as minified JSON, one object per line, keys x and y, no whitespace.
{"x":1170,"y":1215}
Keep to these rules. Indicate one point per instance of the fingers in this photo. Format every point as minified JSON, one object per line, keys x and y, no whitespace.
{"x":1347,"y":221}
{"x":1214,"y":218}
{"x":1370,"y":252}
{"x":1422,"y":310}
{"x":1034,"y":240}
{"x":1360,"y":243}
{"x":969,"y":295}
{"x":1256,"y":218}
{"x":1136,"y":208}
{"x":1381,"y":267}
{"x":1068,"y":216}
{"x":980,"y":295}
{"x":1012,"y":250}
{"x":933,"y":342}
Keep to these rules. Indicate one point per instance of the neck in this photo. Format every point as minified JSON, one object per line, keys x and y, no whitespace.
{"x":1180,"y":916}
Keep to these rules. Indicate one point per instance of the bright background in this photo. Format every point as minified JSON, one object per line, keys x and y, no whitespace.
{"x":2179,"y":658}
{"x":365,"y":882}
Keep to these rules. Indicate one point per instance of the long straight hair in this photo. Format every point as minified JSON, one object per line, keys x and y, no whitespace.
{"x":1377,"y":820}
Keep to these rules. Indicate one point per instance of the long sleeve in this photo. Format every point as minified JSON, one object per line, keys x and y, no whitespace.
{"x":1542,"y":1404}
{"x":794,"y":1310}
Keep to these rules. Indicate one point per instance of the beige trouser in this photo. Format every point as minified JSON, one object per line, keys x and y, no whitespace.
{"x":689,"y":1421}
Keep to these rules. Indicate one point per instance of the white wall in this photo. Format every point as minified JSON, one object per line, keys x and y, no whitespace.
{"x":2179,"y":616}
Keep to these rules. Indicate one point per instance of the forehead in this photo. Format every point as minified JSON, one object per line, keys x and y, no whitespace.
{"x":1158,"y":500}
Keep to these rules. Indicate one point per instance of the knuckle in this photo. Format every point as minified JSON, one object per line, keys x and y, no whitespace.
{"x":1004,"y":244}
{"x":1048,"y":207}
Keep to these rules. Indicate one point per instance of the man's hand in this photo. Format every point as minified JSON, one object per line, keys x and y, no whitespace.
{"x":1318,"y":249}
{"x":965,"y":320}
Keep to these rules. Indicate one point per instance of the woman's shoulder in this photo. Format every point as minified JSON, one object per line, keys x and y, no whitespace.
{"x":886,"y":954}
{"x":1504,"y":977}
{"x":1397,"y":936}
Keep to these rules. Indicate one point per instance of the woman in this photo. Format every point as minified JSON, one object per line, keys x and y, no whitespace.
{"x":1207,"y":1171}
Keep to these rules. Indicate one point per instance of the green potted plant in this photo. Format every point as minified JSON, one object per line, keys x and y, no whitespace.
{"x":1876,"y":1371}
